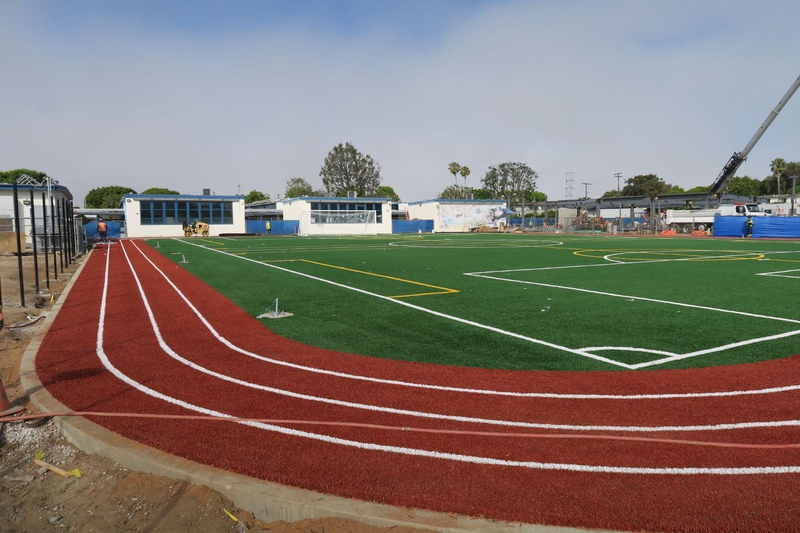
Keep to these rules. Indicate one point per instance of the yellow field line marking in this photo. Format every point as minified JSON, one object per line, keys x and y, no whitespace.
{"x":442,"y":290}
{"x":450,"y":291}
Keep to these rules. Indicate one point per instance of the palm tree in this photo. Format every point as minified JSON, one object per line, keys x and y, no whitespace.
{"x":455,"y":168}
{"x":465,"y":171}
{"x":778,"y":167}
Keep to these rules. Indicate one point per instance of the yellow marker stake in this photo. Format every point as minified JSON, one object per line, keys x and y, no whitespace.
{"x":230,"y":515}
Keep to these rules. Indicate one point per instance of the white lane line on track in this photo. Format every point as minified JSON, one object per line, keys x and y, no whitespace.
{"x":423,"y":309}
{"x":404,"y":412}
{"x":751,"y":392}
{"x":789,"y":469}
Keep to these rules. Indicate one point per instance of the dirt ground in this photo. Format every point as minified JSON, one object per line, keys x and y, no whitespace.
{"x":107,"y":496}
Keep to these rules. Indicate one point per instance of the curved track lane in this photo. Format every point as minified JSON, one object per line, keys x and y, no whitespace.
{"x":188,"y":368}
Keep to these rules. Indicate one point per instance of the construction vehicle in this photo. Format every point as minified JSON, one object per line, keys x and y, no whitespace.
{"x":736,"y":160}
{"x":689,"y":220}
{"x":195,"y":228}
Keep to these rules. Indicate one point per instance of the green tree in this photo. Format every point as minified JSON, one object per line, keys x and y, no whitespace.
{"x":778,"y":167}
{"x":454,"y":169}
{"x":745,"y":186}
{"x":700,"y":188}
{"x":792,"y":169}
{"x":109,"y":197}
{"x":510,"y":180}
{"x":159,"y":190}
{"x":613,"y":193}
{"x":646,"y":185}
{"x":454,"y":192}
{"x":385,"y":191}
{"x":255,"y":196}
{"x":296,"y":187}
{"x":532,"y":196}
{"x":8,"y":176}
{"x":482,"y":194}
{"x":346,"y":169}
{"x":465,"y":171}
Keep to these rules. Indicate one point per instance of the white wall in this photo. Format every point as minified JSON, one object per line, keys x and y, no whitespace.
{"x":301,"y":210}
{"x":136,"y":229}
{"x":458,"y":216}
{"x":24,"y":195}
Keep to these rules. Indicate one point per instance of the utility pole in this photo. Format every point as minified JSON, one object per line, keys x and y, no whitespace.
{"x":570,"y":181}
{"x":618,"y":175}
{"x":794,"y":195}
{"x":585,"y":189}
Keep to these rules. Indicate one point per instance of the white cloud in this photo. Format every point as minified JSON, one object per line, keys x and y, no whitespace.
{"x":588,"y":87}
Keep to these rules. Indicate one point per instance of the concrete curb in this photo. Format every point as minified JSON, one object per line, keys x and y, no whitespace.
{"x":267,"y":501}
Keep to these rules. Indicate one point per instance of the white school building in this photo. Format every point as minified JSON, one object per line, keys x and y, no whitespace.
{"x":338,"y":215}
{"x":163,"y":215}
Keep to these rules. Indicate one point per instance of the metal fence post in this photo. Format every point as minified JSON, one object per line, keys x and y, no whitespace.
{"x":19,"y":245}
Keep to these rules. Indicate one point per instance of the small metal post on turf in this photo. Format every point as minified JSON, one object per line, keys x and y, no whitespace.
{"x":53,"y":236}
{"x":33,"y":237}
{"x":19,"y":245}
{"x":44,"y":227}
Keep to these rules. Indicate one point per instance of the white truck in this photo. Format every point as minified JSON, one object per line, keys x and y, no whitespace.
{"x":689,"y":220}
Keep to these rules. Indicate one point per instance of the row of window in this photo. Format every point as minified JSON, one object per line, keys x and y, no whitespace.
{"x":176,"y":212}
{"x":345,"y":212}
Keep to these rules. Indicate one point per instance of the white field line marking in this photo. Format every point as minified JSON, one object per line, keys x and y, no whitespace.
{"x":478,"y":245}
{"x":778,"y":272}
{"x":679,"y":304}
{"x":421,"y":414}
{"x":642,"y":298}
{"x":718,"y":349}
{"x":614,"y":263}
{"x":423,"y":309}
{"x":751,"y":392}
{"x":752,"y":470}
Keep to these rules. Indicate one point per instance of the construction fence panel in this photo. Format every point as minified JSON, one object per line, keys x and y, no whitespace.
{"x":412,"y":226}
{"x":277,"y":227}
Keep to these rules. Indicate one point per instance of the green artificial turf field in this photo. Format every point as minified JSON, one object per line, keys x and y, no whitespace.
{"x":513,"y":301}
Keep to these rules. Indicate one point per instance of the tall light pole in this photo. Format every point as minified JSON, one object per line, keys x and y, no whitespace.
{"x":618,"y":175}
{"x":794,"y":194}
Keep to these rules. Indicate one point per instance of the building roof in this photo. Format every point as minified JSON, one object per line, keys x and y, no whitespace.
{"x":189,"y":197}
{"x":456,"y":201}
{"x":26,"y":188}
{"x":340,"y":199}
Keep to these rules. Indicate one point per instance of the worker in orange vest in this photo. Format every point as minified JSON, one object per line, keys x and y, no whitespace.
{"x":102,"y":230}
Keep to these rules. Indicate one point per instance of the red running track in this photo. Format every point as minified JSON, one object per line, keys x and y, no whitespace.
{"x":585,"y":483}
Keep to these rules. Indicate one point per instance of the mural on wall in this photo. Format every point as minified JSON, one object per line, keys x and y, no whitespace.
{"x":465,"y":217}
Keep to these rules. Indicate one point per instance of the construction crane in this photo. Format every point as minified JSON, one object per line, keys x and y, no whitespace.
{"x":736,"y":160}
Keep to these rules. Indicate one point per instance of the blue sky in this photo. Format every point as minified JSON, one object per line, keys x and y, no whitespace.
{"x":236,"y":96}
